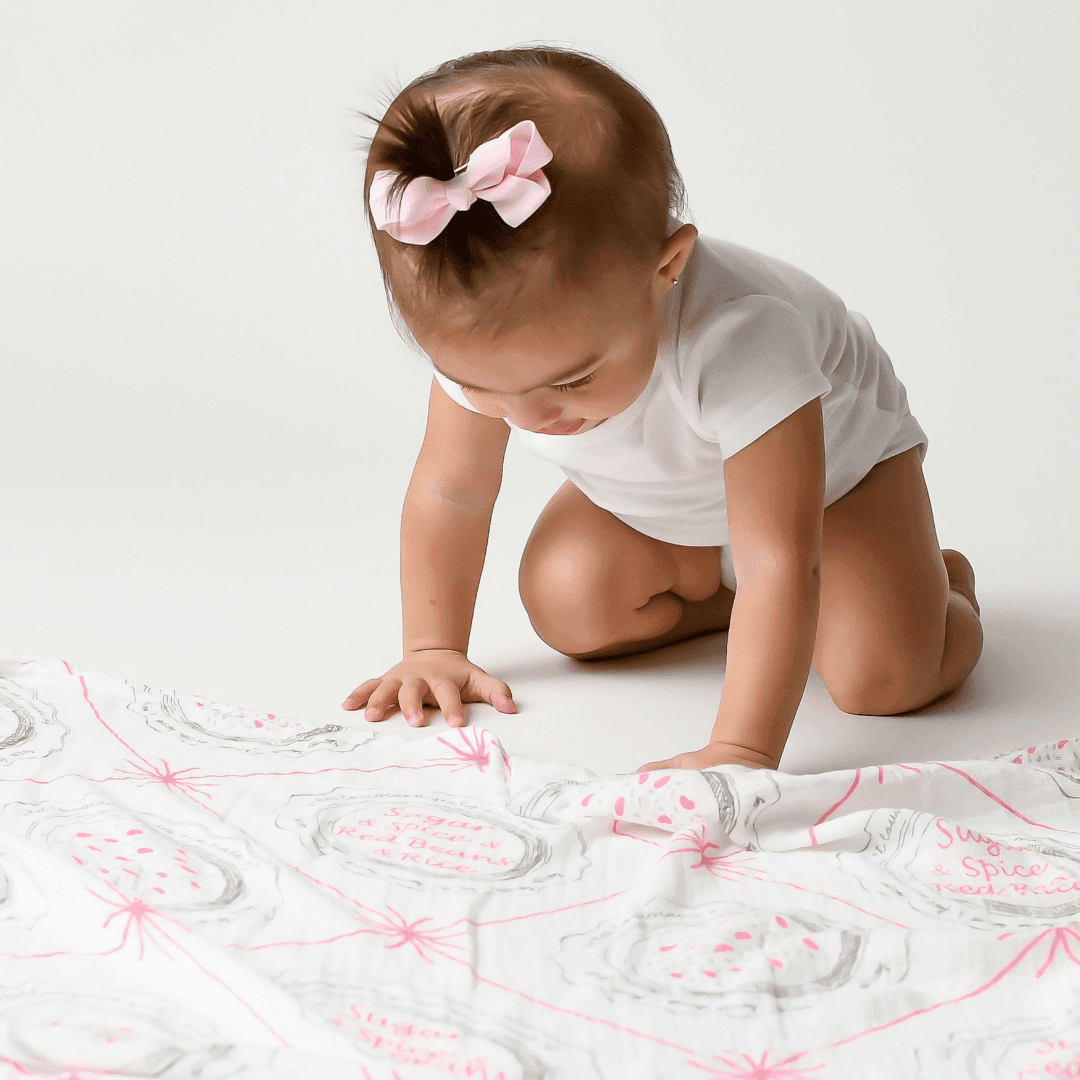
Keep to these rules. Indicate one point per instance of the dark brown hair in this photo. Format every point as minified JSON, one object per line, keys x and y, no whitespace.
{"x":614,"y":183}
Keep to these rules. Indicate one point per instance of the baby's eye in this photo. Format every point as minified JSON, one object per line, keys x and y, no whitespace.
{"x":576,"y":384}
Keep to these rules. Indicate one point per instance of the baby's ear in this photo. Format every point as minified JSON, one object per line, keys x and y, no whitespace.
{"x":674,"y":254}
{"x":682,"y":241}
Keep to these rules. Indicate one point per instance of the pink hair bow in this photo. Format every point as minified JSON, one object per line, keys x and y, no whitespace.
{"x":506,"y":171}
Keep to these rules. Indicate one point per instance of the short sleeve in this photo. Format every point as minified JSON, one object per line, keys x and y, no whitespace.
{"x":756,"y":363}
{"x":453,"y":390}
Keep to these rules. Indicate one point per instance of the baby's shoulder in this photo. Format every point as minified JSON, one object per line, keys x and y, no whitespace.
{"x":725,"y":271}
{"x":759,"y":271}
{"x":744,"y":328}
{"x":738,"y":301}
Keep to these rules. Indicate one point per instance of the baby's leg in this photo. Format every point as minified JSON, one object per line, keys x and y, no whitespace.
{"x":898,"y":625}
{"x":594,"y":587}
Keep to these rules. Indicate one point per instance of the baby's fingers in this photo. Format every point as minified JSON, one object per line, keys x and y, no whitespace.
{"x":360,"y":695}
{"x":498,"y":693}
{"x":680,"y":761}
{"x":659,"y":766}
{"x":412,"y":702}
{"x":382,"y":701}
{"x":449,"y":699}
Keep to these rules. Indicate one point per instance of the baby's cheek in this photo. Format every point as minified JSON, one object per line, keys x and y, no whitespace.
{"x":483,"y":404}
{"x":611,"y":402}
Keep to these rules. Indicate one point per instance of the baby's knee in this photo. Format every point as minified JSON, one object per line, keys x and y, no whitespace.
{"x":878,"y":686}
{"x":563,"y":591}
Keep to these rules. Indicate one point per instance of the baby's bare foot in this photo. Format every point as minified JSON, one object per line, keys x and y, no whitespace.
{"x":961,"y":575}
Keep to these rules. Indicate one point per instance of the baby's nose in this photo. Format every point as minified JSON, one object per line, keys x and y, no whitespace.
{"x":532,"y":414}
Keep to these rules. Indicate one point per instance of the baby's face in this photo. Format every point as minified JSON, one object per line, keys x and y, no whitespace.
{"x":578,"y":358}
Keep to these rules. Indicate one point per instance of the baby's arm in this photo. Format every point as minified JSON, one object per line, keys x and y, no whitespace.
{"x":776,"y":500}
{"x":444,"y":534}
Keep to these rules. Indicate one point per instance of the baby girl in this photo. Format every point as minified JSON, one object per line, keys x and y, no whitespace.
{"x":739,"y":453}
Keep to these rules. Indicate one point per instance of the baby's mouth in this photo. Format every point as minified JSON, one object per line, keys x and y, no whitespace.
{"x":565,"y":428}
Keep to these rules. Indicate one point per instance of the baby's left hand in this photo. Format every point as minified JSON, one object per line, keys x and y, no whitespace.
{"x":714,"y":754}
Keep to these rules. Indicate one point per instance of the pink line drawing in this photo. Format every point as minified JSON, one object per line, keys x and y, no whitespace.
{"x":146,"y":921}
{"x":847,"y":795}
{"x":389,"y":924}
{"x":750,"y":1069}
{"x":1058,"y":937}
{"x":424,"y":941}
{"x":86,"y":695}
{"x":552,"y":911}
{"x":732,"y":866}
{"x":174,"y":780}
{"x":630,"y":835}
{"x":474,"y":753}
{"x":602,"y":1021}
{"x":990,"y":795}
{"x":842,"y":900}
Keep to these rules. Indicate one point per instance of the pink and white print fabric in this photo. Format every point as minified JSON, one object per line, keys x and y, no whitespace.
{"x":189,"y":891}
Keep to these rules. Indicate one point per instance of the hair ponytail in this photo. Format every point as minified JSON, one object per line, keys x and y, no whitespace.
{"x":418,"y":144}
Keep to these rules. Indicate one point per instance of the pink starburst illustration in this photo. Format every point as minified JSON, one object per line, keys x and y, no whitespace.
{"x":750,"y":1069}
{"x":1059,"y":937}
{"x":139,"y":915}
{"x":391,"y":924}
{"x":729,"y":867}
{"x":174,"y":780}
{"x":144,"y":919}
{"x":476,"y":752}
{"x":432,"y":939}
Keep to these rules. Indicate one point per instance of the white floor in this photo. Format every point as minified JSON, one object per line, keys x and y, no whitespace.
{"x":207,"y":424}
{"x":224,"y":593}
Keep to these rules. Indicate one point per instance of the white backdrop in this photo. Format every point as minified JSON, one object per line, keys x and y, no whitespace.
{"x":208,"y":424}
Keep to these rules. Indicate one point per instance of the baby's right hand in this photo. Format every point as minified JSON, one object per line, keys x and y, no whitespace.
{"x":440,"y":677}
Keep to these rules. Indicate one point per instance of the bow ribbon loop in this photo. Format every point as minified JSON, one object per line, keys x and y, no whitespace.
{"x":506,"y":171}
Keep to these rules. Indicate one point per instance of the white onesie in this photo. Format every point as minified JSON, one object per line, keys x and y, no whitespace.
{"x":746,"y":341}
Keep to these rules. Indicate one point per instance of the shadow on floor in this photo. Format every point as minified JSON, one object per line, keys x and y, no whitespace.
{"x":704,"y":650}
{"x":1025,"y":690}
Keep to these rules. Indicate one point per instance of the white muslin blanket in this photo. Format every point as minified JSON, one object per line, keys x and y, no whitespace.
{"x":191,"y":891}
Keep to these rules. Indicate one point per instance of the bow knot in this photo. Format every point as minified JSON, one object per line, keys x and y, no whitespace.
{"x":458,"y":193}
{"x":505,"y":171}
